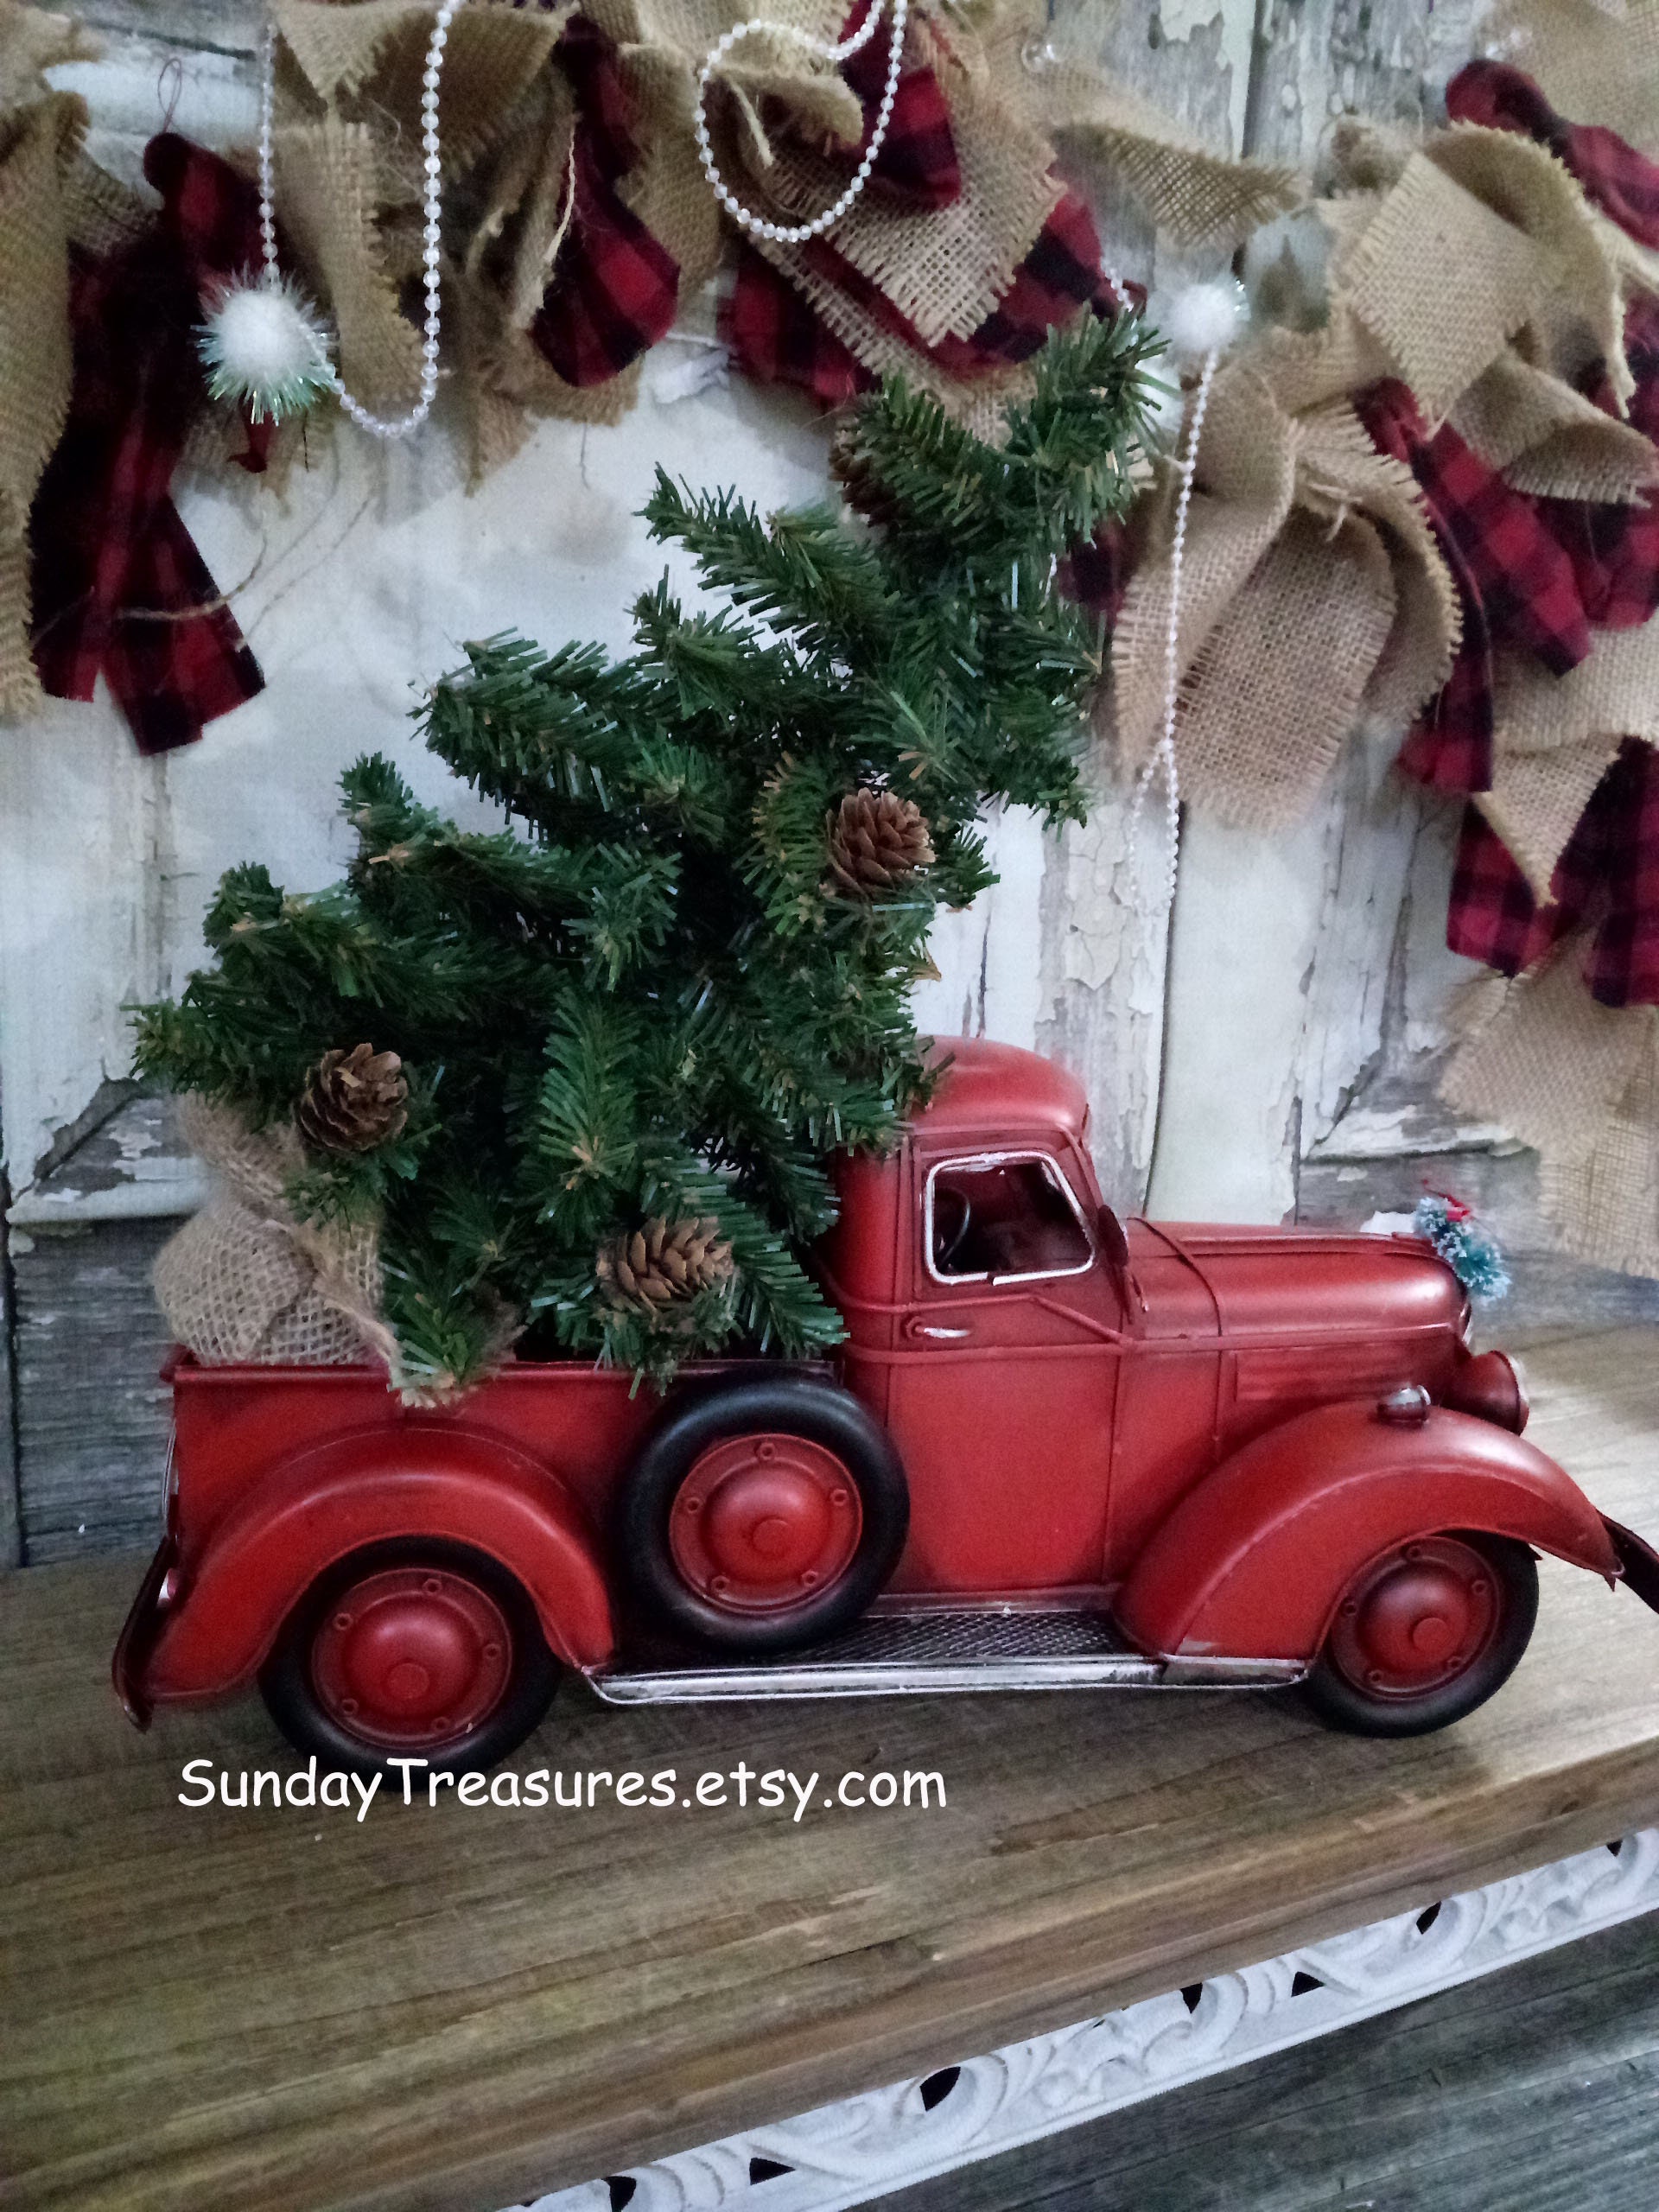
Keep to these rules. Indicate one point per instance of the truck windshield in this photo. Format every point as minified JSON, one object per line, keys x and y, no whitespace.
{"x":1002,"y":1217}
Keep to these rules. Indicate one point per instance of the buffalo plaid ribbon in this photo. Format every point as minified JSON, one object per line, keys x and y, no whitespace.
{"x":1516,"y":581}
{"x":1622,"y":182}
{"x":118,"y":585}
{"x":1608,"y":878}
{"x":613,"y":288}
{"x":776,"y":337}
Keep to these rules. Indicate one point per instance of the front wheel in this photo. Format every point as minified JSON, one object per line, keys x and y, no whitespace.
{"x":413,"y":1648}
{"x":1425,"y":1633}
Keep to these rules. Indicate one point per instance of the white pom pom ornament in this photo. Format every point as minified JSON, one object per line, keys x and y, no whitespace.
{"x":1205,"y":319}
{"x":266,"y":348}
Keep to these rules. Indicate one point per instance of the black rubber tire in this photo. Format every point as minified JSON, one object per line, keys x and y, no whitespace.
{"x":794,"y":1405}
{"x":1340,"y":1703}
{"x":290,"y":1696}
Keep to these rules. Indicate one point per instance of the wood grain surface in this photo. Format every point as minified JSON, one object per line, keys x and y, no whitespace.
{"x":455,"y":2008}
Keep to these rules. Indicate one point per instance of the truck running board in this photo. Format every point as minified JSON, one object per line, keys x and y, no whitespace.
{"x":898,"y":1655}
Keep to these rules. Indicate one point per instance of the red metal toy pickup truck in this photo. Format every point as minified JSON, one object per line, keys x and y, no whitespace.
{"x":1052,"y":1454}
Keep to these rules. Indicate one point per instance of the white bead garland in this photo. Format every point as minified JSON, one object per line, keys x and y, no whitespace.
{"x":798,"y":234}
{"x":379,"y":426}
{"x":1161,"y":758}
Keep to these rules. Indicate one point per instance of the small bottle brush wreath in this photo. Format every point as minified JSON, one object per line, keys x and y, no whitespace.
{"x":1468,"y":1250}
{"x":585,"y":1078}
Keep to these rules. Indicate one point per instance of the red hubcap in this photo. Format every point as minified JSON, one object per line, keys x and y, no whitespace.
{"x":1417,"y":1619}
{"x":762,"y":1523}
{"x":413,"y":1656}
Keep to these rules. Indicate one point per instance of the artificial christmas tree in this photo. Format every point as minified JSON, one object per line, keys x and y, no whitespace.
{"x":644,"y":1025}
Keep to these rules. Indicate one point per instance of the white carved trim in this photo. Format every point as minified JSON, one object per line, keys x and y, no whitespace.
{"x":845,"y":2154}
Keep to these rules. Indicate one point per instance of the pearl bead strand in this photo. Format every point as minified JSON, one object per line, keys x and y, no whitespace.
{"x":1161,"y":759}
{"x":400,"y":426}
{"x":798,"y":234}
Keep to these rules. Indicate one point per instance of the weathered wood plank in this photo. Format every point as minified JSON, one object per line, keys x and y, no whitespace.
{"x":93,"y":1419}
{"x":457,"y":2008}
{"x":1537,"y":2086}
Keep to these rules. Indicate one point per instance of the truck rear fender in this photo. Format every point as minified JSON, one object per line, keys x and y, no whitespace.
{"x":219,"y":1623}
{"x":1253,"y":1561}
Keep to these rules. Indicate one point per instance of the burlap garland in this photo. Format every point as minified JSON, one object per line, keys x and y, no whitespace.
{"x":1590,"y":59}
{"x":1580,"y":1083}
{"x":245,"y":1280}
{"x":1311,"y":595}
{"x":40,"y":146}
{"x":352,"y":67}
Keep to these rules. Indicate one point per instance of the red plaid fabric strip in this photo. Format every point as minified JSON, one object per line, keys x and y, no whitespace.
{"x":1514,"y":579}
{"x":917,"y":166}
{"x":1614,"y":549}
{"x":1492,"y":916}
{"x":1524,"y":581}
{"x":614,"y":287}
{"x":1622,"y":182}
{"x":775,"y":336}
{"x":118,"y":585}
{"x":1608,"y":877}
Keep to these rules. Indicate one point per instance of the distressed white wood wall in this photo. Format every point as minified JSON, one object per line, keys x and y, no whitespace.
{"x":1274,"y":1057}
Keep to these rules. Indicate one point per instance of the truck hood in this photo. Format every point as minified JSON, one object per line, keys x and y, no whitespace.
{"x":1259,"y":1285}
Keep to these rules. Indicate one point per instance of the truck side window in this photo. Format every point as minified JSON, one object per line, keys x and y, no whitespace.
{"x":1002,"y":1217}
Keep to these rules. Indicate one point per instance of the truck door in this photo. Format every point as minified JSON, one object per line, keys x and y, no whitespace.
{"x":1004,"y":1375}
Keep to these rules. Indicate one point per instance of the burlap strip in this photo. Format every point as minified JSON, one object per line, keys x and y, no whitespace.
{"x":944,"y":271}
{"x":244,"y":1280}
{"x":1273,"y":694}
{"x":1548,"y":440}
{"x":40,"y":146}
{"x":1537,"y":799}
{"x":1395,"y":282}
{"x":1580,"y":1083}
{"x":1613,"y":692}
{"x":326,"y":174}
{"x":33,"y":41}
{"x":1242,"y":495}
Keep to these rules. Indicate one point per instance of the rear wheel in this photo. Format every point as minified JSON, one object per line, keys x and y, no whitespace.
{"x":413,"y":1648}
{"x":1425,"y":1633}
{"x":763,"y":1517}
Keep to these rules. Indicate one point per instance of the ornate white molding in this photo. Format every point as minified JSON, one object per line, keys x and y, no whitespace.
{"x":846,"y":2154}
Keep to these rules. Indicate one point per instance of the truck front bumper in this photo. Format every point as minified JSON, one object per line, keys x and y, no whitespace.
{"x":1638,"y":1560}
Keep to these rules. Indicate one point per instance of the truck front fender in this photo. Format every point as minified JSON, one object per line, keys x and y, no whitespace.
{"x":218,"y":1624}
{"x":1253,"y":1561}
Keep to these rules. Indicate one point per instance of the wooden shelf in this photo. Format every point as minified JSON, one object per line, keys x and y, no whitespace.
{"x":456,"y":2009}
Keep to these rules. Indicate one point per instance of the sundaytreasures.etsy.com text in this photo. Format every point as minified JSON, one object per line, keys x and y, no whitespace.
{"x":574,"y":1789}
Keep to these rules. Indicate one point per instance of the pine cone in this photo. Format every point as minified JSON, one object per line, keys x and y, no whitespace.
{"x":353,"y":1101}
{"x":877,"y":840}
{"x":663,"y":1264}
